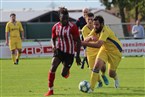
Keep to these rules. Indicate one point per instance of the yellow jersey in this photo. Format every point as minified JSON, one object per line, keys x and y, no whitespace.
{"x":85,"y":31}
{"x":111,"y":42}
{"x":14,"y":29}
{"x":90,"y":51}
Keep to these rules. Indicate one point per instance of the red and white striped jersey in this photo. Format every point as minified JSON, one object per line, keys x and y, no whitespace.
{"x":66,"y":35}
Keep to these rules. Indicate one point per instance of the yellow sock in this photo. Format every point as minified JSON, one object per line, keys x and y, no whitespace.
{"x":95,"y":77}
{"x":18,"y":55}
{"x":13,"y":58}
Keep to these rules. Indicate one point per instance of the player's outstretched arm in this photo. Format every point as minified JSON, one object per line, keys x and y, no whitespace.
{"x":97,"y":44}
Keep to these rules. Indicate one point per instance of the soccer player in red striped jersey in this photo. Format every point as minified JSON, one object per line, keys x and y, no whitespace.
{"x":67,"y":35}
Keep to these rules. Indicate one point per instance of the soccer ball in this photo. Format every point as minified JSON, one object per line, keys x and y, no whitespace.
{"x":84,"y":86}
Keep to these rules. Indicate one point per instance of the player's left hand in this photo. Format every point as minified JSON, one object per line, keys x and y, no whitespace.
{"x":23,"y":38}
{"x":93,"y":38}
{"x":78,"y":60}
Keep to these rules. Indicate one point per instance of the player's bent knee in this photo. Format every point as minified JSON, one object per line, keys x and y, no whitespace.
{"x":13,"y":52}
{"x":20,"y":50}
{"x":112,"y":74}
{"x":65,"y":74}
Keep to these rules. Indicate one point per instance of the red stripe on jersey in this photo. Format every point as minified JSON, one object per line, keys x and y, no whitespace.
{"x":66,"y":35}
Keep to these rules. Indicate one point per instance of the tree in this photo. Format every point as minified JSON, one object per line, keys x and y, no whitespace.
{"x":135,"y":6}
{"x":121,"y":4}
{"x":140,"y":8}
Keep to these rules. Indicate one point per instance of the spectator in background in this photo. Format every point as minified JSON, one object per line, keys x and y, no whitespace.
{"x":81,"y":22}
{"x":138,"y":30}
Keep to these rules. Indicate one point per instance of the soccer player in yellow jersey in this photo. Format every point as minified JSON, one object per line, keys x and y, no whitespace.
{"x":109,"y":52}
{"x":13,"y":29}
{"x":92,"y":52}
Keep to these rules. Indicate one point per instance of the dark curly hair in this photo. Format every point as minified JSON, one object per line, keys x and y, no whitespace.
{"x":100,"y":19}
{"x":63,"y":10}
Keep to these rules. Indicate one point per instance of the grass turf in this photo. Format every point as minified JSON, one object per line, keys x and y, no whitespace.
{"x":29,"y":79}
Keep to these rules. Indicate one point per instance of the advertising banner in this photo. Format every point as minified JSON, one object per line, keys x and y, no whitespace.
{"x":44,"y":49}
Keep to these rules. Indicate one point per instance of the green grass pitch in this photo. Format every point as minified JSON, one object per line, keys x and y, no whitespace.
{"x":29,"y":79}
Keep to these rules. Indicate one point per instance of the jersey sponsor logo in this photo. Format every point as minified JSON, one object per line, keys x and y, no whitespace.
{"x":13,"y":29}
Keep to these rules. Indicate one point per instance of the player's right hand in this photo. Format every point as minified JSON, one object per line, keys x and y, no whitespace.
{"x":53,"y":49}
{"x":7,"y":43}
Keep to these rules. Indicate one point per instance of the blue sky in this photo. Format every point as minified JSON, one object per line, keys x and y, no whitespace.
{"x":45,"y":4}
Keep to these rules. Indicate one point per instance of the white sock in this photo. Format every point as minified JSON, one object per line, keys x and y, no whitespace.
{"x":51,"y":88}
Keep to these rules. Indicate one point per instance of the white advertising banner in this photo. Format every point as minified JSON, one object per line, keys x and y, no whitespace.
{"x":133,"y":47}
{"x":43,"y":49}
{"x":30,"y":49}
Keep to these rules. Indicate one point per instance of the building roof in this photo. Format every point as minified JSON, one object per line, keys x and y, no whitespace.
{"x":27,"y":15}
{"x":22,"y":15}
{"x":78,"y":13}
{"x":75,"y":15}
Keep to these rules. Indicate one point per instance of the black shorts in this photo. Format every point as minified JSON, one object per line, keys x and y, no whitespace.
{"x":66,"y":59}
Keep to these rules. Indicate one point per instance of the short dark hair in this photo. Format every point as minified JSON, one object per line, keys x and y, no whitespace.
{"x":63,"y":10}
{"x":90,"y":14}
{"x":12,"y":14}
{"x":100,"y":19}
